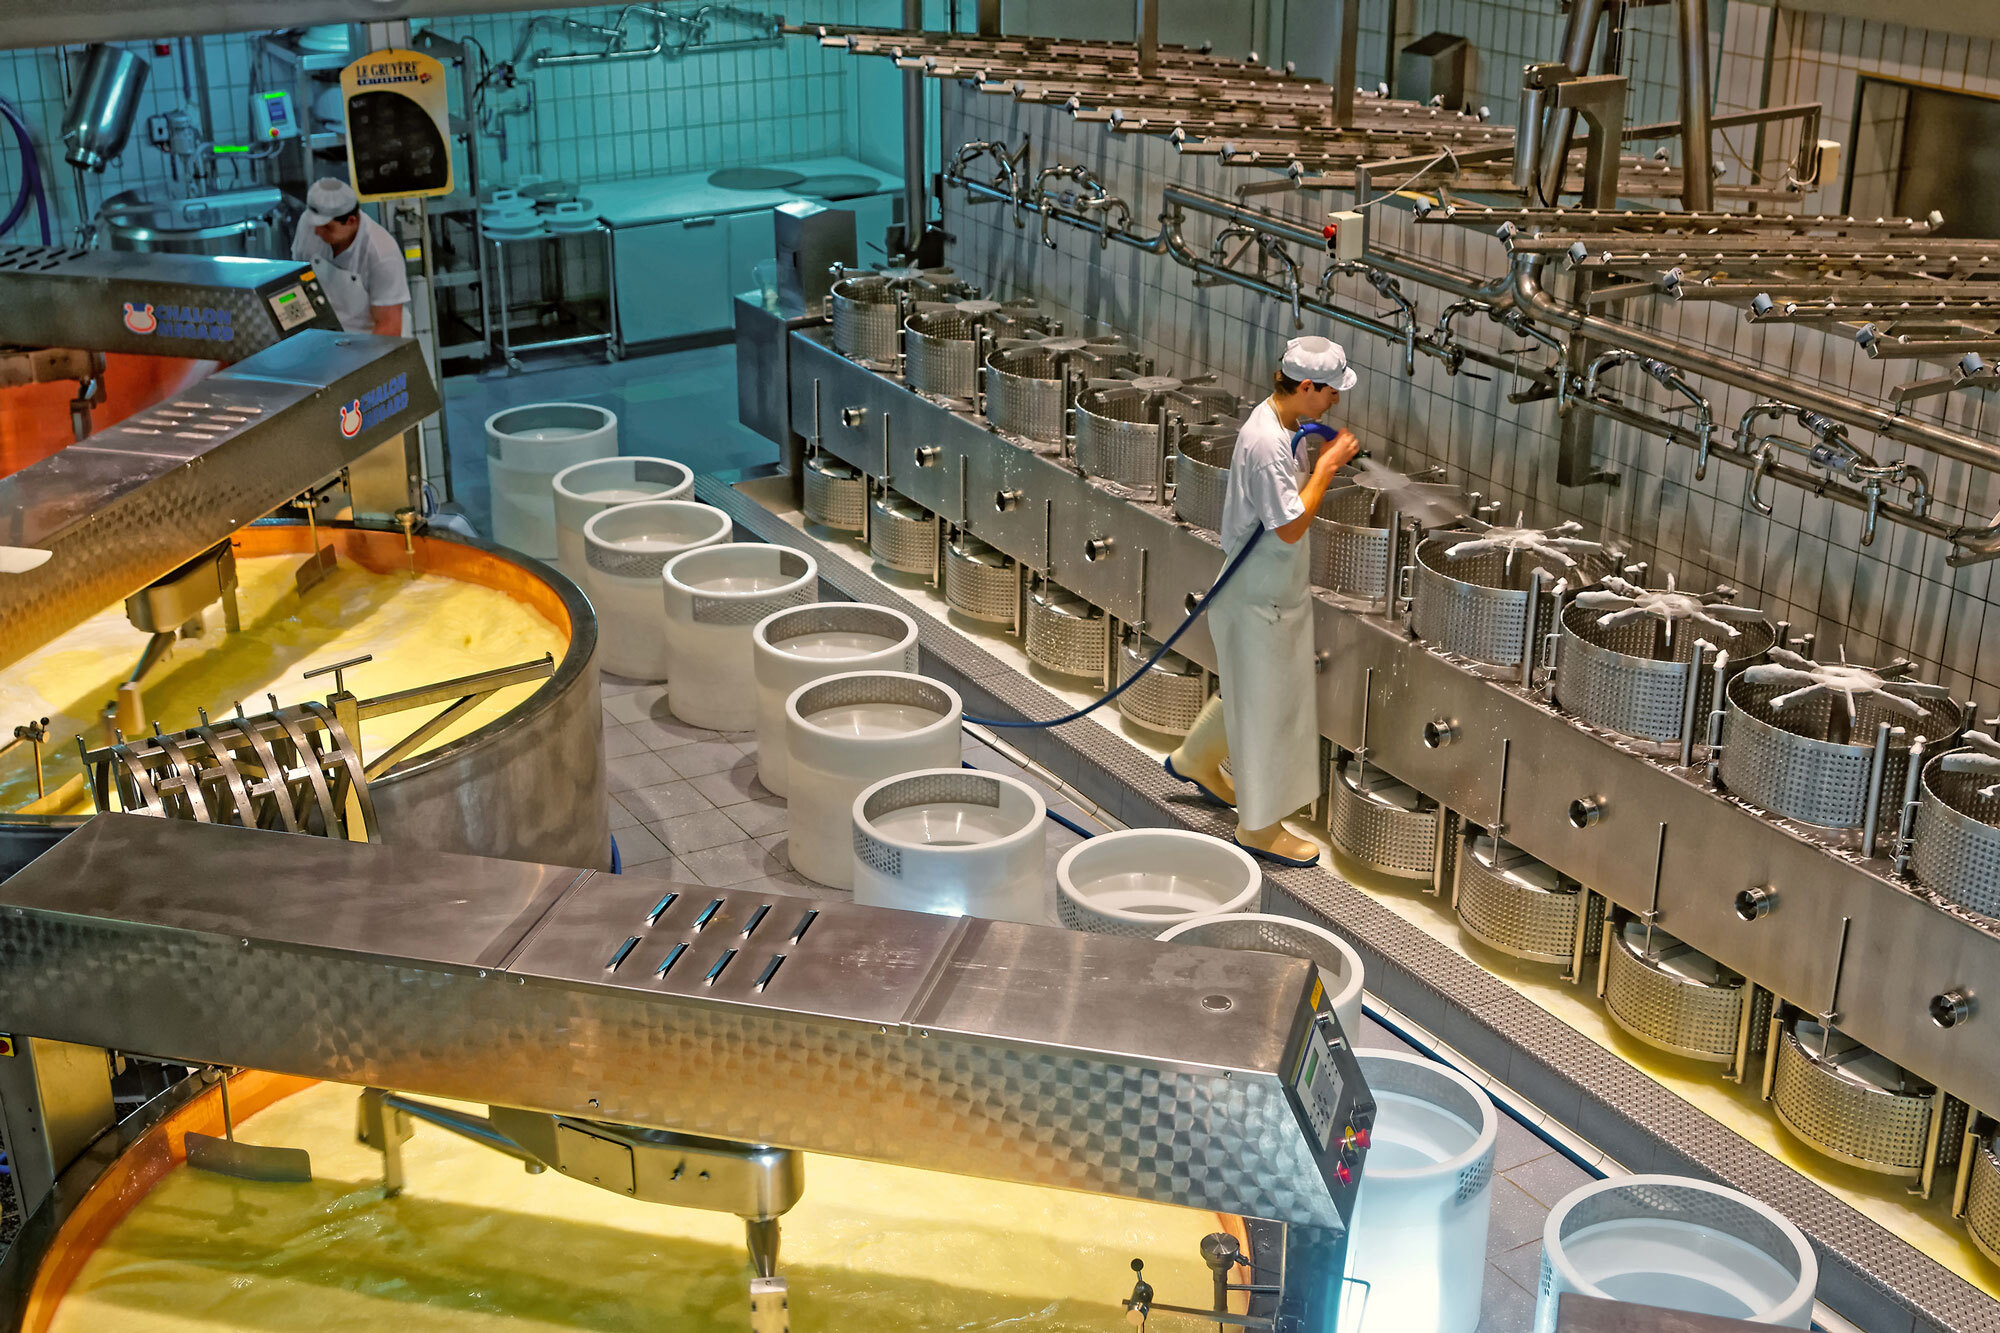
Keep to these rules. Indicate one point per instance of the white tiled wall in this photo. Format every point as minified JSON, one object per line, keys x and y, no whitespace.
{"x":588,"y":123}
{"x":1804,"y":562}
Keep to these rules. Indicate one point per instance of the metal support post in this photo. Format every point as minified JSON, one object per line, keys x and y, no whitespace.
{"x":916,"y":205}
{"x":1146,"y":30}
{"x":1697,"y":150}
{"x":1346,"y":39}
{"x":1600,"y":100}
{"x":55,"y":1099}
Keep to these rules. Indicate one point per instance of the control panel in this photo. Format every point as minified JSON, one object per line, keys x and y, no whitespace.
{"x":1332,"y":1101}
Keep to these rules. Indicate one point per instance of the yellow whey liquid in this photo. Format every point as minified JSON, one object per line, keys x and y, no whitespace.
{"x":475,"y":1243}
{"x":420,"y":628}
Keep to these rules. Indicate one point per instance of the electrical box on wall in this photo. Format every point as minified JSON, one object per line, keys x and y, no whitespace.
{"x":271,"y":117}
{"x":1345,"y":236}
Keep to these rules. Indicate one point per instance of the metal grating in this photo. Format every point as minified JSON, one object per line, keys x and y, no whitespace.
{"x":877,"y":855}
{"x":941,"y":354}
{"x":1841,"y":1104}
{"x":876,"y":687}
{"x":1780,"y":763}
{"x":1474,"y":1178}
{"x":1956,"y":844}
{"x":902,"y":536}
{"x":1477,"y":610}
{"x":1672,"y":997}
{"x":1201,"y":480}
{"x":1029,"y":403}
{"x":867,"y":319}
{"x":1383,"y":824}
{"x":1124,"y":452}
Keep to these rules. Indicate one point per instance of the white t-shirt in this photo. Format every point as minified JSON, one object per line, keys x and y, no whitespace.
{"x":1263,"y":488}
{"x":369,"y":272}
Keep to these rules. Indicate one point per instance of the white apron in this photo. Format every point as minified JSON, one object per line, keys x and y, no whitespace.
{"x":347,"y":294}
{"x":1262,"y":624}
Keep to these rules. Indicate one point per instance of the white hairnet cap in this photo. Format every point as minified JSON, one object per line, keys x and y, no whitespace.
{"x":1321,"y":360}
{"x":331,"y":198}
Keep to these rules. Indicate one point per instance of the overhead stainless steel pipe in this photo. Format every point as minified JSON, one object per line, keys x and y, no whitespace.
{"x":1697,"y":147}
{"x":1537,"y":303}
{"x":916,"y":211}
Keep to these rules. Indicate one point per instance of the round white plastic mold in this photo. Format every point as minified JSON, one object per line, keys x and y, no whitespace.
{"x":584,"y":489}
{"x":1339,"y":964}
{"x":800,"y":644}
{"x":525,"y":448}
{"x":1419,"y":1234}
{"x":715,"y":597}
{"x":625,"y":549}
{"x":1140,"y":881}
{"x":844,"y":734}
{"x":1675,"y":1243}
{"x":953,"y":842}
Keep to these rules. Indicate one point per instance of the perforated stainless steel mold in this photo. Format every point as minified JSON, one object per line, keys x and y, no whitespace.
{"x":1955,"y":845}
{"x":868,"y":316}
{"x":1067,"y":634}
{"x":1670,"y":996}
{"x":836,"y":496}
{"x":1507,"y":900}
{"x":1027,"y":388}
{"x":1477,"y":605}
{"x":1783,"y":761}
{"x":1201,"y":479}
{"x":980,"y":582}
{"x":1850,"y":1103}
{"x":1982,"y":1199}
{"x":1383,"y":823}
{"x":941,"y":354}
{"x":902,"y":535}
{"x":1170,"y":695}
{"x":1630,"y":679}
{"x":1118,"y":428}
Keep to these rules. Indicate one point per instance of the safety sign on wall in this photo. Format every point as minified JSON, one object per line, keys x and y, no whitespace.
{"x":398,"y":125}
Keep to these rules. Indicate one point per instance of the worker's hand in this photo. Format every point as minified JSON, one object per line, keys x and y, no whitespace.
{"x":1338,"y":453}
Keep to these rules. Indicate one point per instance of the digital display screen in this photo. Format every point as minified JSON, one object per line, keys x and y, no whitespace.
{"x":1319,"y":1085}
{"x":292,"y":307}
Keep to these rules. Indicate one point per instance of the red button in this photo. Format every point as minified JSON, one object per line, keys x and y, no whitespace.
{"x":1361,"y":1137}
{"x":1340,"y":1169}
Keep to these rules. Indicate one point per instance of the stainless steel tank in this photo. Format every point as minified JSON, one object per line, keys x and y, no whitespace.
{"x":527,"y":786}
{"x":98,"y":119}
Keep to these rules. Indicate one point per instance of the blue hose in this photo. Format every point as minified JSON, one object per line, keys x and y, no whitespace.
{"x":1064,"y":820}
{"x":1256,"y":536}
{"x":31,"y":178}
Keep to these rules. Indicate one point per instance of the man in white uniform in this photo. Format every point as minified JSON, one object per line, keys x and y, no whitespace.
{"x":1266,"y":721}
{"x":359,"y":264}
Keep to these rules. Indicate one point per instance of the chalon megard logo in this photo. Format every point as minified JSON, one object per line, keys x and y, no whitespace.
{"x":140,"y":319}
{"x":350,"y":420}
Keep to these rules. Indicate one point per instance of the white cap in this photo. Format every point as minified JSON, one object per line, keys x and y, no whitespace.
{"x":329,"y":198}
{"x":1321,"y":360}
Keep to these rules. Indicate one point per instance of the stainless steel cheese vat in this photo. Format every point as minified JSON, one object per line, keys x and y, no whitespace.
{"x":1029,"y":387}
{"x":902,"y":535}
{"x":1955,"y":840}
{"x":981,"y":582}
{"x":1788,"y":762}
{"x":1066,"y":634}
{"x":1507,"y":900}
{"x":1387,"y":825}
{"x":836,"y":495}
{"x":1857,"y":1107}
{"x":1671,"y":996}
{"x":1477,"y":605}
{"x":1633,"y":680}
{"x":1119,"y":425}
{"x":1171,"y":693}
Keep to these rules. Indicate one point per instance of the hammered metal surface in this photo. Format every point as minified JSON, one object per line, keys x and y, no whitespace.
{"x":1378,"y":826}
{"x":902,"y":536}
{"x":1066,"y":634}
{"x":835,"y":495}
{"x":980,"y":582}
{"x":1508,"y":913}
{"x":1862,"y":1124}
{"x":1664,"y":1008}
{"x":1955,"y":848}
{"x":1170,"y":696}
{"x":1777,"y":761}
{"x":630,"y":1046}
